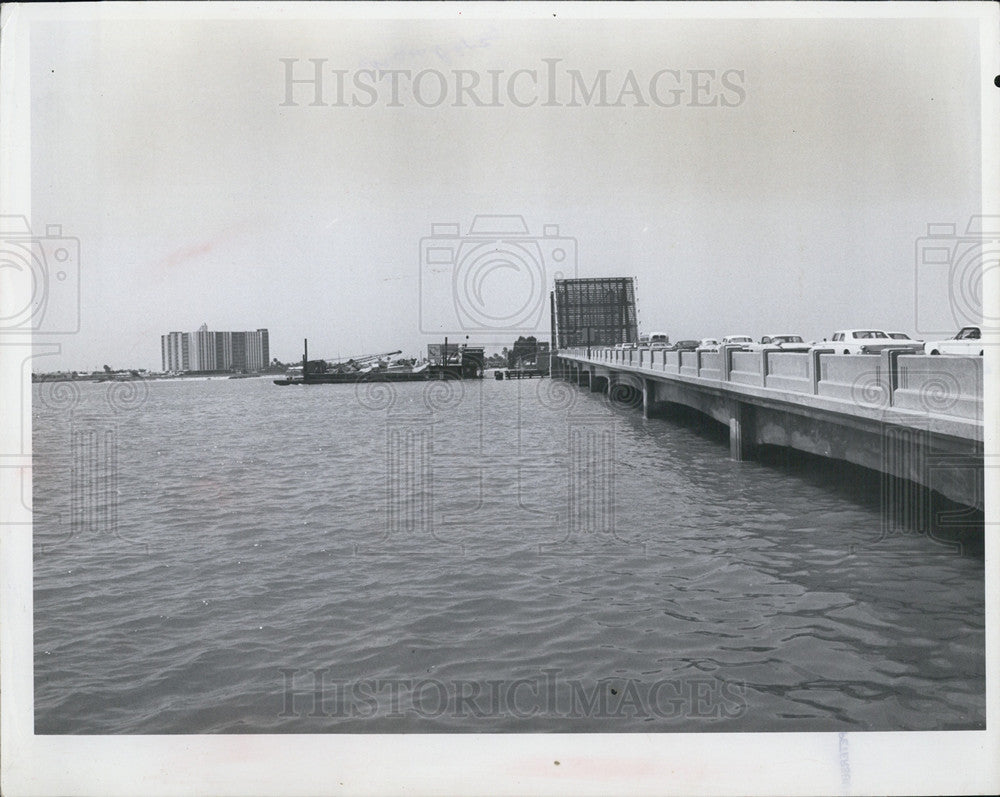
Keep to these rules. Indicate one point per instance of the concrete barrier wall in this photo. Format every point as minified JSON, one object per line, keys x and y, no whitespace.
{"x":746,"y":368}
{"x":788,"y":370}
{"x":710,"y":366}
{"x":940,"y":385}
{"x":689,"y":363}
{"x":853,"y":377}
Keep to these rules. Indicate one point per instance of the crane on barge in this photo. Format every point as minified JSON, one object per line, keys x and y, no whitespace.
{"x":351,"y":364}
{"x":332,"y":368}
{"x":467,"y":364}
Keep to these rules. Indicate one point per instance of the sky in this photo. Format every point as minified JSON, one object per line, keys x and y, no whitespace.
{"x":781,"y":183}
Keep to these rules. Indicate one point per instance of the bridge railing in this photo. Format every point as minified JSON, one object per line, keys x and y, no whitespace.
{"x":942,"y":385}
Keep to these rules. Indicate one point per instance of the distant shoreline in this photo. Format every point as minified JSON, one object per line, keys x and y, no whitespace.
{"x":38,"y":378}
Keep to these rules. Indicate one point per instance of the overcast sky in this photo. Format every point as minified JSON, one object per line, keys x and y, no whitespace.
{"x":782,"y":189}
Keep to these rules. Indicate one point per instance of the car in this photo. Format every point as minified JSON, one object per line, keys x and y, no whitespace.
{"x":736,"y":340}
{"x":783,"y":342}
{"x":708,"y":344}
{"x":903,"y":337}
{"x":685,"y":345}
{"x":864,"y":341}
{"x":968,"y":341}
{"x":659,"y":340}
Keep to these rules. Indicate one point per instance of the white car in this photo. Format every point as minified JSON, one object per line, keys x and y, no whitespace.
{"x":737,"y":340}
{"x":708,"y":344}
{"x":659,"y":340}
{"x":783,"y":342}
{"x":862,"y":341}
{"x":968,"y":341}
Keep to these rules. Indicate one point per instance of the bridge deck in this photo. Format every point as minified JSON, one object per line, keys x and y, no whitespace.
{"x":940,"y":394}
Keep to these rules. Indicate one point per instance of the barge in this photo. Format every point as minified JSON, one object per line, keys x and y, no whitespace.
{"x":459,"y":362}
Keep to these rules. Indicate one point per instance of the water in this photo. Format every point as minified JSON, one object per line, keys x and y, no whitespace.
{"x":233,"y":556}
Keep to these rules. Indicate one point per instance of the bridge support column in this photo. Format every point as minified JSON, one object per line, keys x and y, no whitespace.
{"x":740,"y":431}
{"x":652,"y":406}
{"x":584,"y":379}
{"x":598,"y":384}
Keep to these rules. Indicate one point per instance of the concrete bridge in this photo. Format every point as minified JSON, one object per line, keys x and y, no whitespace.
{"x":913,"y":418}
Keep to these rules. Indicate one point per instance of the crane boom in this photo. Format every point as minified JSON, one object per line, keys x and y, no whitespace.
{"x":363,"y":358}
{"x":354,"y":363}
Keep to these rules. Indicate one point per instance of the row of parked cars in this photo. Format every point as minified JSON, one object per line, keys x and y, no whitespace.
{"x":967,"y":342}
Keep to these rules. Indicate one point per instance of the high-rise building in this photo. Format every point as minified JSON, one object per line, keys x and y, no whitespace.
{"x":174,"y":346}
{"x":206,"y":350}
{"x":594,"y":312}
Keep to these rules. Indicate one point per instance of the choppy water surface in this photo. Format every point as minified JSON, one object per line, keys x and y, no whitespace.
{"x":233,"y":556}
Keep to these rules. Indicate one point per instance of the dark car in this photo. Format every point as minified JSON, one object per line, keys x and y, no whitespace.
{"x":685,"y":345}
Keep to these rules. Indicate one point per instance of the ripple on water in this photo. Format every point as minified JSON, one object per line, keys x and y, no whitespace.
{"x":259,"y":540}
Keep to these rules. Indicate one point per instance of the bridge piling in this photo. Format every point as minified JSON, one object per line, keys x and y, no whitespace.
{"x":740,"y":431}
{"x":653,"y":403}
{"x":648,"y":397}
